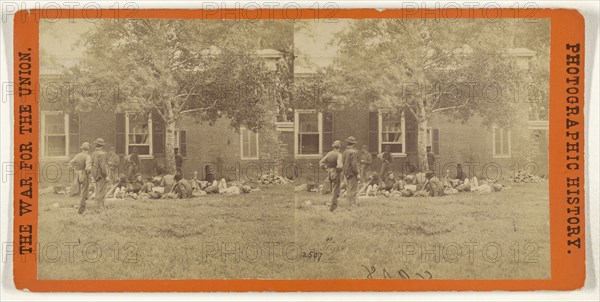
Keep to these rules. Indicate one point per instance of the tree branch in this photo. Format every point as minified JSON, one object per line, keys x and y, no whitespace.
{"x":198,"y":109}
{"x":156,"y":107}
{"x":452,"y":107}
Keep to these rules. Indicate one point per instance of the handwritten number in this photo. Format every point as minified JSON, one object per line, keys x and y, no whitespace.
{"x":428,"y":273}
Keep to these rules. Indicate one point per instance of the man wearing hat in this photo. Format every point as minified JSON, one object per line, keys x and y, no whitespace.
{"x":81,"y":164}
{"x":350,"y":169}
{"x":333,"y":163}
{"x":99,"y":174}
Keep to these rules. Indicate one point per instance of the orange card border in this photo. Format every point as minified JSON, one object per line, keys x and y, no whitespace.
{"x":567,"y":262}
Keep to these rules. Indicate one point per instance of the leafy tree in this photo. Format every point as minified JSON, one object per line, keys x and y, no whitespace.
{"x":176,"y":68}
{"x":429,"y":67}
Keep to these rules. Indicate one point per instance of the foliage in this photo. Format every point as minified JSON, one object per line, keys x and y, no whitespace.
{"x":431,"y":67}
{"x":205,"y":69}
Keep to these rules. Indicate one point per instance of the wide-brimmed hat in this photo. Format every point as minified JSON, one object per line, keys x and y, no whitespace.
{"x":85,"y":146}
{"x":99,"y":142}
{"x":351,"y":140}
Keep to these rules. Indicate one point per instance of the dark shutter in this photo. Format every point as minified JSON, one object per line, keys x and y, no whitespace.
{"x":327,"y":131}
{"x":73,"y":133}
{"x":182,"y":143}
{"x":120,"y":134}
{"x":158,"y":134}
{"x":410,"y":124}
{"x":374,"y":132}
{"x":435,"y":141}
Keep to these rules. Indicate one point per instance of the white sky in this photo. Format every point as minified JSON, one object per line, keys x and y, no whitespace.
{"x":311,"y":42}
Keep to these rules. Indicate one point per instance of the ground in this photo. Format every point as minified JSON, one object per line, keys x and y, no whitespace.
{"x":276,"y":233}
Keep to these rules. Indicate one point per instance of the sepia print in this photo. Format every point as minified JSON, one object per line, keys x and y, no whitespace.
{"x":315,"y":149}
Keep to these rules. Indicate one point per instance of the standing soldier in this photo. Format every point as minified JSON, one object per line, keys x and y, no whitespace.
{"x":333,"y":163}
{"x":134,"y":163}
{"x":99,"y":174}
{"x":178,"y":162}
{"x":113,"y":165}
{"x":365,"y":163}
{"x":430,"y":159}
{"x":386,"y":161}
{"x":81,"y":163}
{"x":350,"y":160}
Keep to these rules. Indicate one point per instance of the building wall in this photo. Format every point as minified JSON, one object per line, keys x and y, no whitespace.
{"x":218,"y":145}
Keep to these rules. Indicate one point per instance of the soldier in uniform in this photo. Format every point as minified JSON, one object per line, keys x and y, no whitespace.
{"x":134,"y":163}
{"x":99,"y":173}
{"x":178,"y":162}
{"x":113,"y":165}
{"x":350,"y":169}
{"x":82,"y":164}
{"x":365,"y":163}
{"x":333,"y":163}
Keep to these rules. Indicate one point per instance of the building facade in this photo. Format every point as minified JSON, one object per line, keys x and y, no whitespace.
{"x":492,"y":152}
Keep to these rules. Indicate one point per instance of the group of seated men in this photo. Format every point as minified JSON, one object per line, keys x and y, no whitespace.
{"x":172,"y":186}
{"x":423,"y":184}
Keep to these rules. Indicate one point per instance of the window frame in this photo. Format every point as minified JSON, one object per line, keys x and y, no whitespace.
{"x":43,"y":134}
{"x":242,"y":131}
{"x":150,"y":143}
{"x":177,"y":135}
{"x":429,"y":135}
{"x":297,"y":113}
{"x":381,"y":112}
{"x":502,"y":130}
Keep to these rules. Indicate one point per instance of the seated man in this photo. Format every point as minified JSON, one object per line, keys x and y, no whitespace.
{"x":433,"y":185}
{"x":148,"y":185}
{"x":388,"y":182}
{"x":136,"y":184}
{"x":168,"y":182}
{"x":119,"y":189}
{"x":420,"y":180}
{"x":371,"y":186}
{"x":182,"y":188}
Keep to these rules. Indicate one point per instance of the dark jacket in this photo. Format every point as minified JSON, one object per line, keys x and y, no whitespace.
{"x":350,"y":159}
{"x":99,"y":164}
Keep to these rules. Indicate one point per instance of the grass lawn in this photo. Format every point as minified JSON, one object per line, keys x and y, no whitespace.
{"x":276,"y":233}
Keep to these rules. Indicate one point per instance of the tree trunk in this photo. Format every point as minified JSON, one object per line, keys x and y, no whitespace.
{"x":170,"y":142}
{"x":170,"y":147}
{"x":422,"y":143}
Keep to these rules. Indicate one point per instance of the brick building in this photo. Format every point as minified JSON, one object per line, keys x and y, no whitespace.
{"x":494,"y":152}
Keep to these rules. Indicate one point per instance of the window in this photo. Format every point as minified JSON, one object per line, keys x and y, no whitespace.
{"x":391,"y":132}
{"x":309,"y":132}
{"x":181,"y":142}
{"x":429,"y":138}
{"x":139,"y":133}
{"x":249,"y":144}
{"x":55,"y":139}
{"x":501,"y":139}
{"x":433,"y":140}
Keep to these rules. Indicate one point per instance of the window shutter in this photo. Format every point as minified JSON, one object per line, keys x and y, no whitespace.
{"x":73,"y":133}
{"x":435,"y":141}
{"x":411,"y":133}
{"x":374,"y":132}
{"x":182,"y":143}
{"x":327,"y":131}
{"x":120,"y":134}
{"x":158,"y":135}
